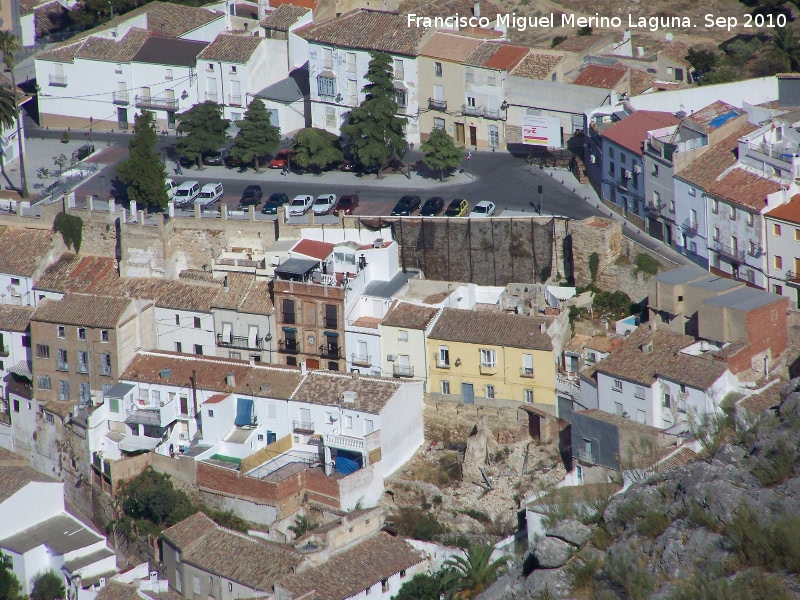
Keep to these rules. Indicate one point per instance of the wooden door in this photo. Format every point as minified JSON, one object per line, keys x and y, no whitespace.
{"x":459,"y":133}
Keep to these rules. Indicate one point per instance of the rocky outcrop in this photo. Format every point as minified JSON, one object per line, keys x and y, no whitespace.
{"x":551,"y":553}
{"x":571,"y":531}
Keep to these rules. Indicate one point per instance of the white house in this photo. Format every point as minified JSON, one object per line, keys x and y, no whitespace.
{"x":15,"y":340}
{"x":782,"y":225}
{"x":404,"y":340}
{"x":96,"y":79}
{"x":44,"y":535}
{"x":19,"y":269}
{"x":338,"y":59}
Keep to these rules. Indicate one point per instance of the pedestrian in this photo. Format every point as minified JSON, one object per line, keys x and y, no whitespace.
{"x":178,"y":169}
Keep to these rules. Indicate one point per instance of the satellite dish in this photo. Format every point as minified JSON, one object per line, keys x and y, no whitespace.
{"x":668,"y":37}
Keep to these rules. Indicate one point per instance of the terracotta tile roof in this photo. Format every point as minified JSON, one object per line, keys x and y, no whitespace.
{"x":216,"y":398}
{"x":258,"y":300}
{"x":449,"y":47}
{"x":16,"y":261}
{"x":71,"y":273}
{"x":677,"y":51}
{"x":159,"y":50}
{"x":674,"y":458}
{"x":744,"y":188}
{"x":496,"y":55}
{"x":114,"y":590}
{"x":13,"y":479}
{"x":604,"y":343}
{"x":367,"y":30}
{"x":164,"y":293}
{"x":371,"y":393}
{"x":59,"y":408}
{"x":580,"y":43}
{"x":112,"y":50}
{"x":490,"y":328}
{"x":788,"y":75}
{"x":9,"y":459}
{"x":86,"y":310}
{"x":283,"y":17}
{"x":247,"y":10}
{"x":314,"y":249}
{"x":630,"y":362}
{"x":185,"y":534}
{"x":705,"y":170}
{"x":252,"y":562}
{"x":631,"y":132}
{"x":410,"y":316}
{"x":49,"y":18}
{"x":537,"y":65}
{"x":606,"y":77}
{"x":15,"y":318}
{"x":640,"y":82}
{"x":211,"y":373}
{"x":787,"y":212}
{"x":447,"y":8}
{"x":764,"y":400}
{"x":352,"y":571}
{"x":26,"y":7}
{"x":577,"y":344}
{"x":231,"y":48}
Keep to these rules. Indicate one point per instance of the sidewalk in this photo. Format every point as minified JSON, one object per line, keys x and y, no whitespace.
{"x":585,"y":190}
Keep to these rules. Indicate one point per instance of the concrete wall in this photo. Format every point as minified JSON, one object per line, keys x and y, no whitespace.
{"x":751,"y":91}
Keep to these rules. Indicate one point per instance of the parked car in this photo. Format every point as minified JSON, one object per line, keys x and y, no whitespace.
{"x":218,"y":158}
{"x":483,"y":209}
{"x":251,"y":196}
{"x":273,"y":203}
{"x":210,"y":193}
{"x":83,"y":152}
{"x":406,"y":205}
{"x":324,"y":204}
{"x":348,"y":166}
{"x":432,"y":207}
{"x":300,"y":205}
{"x":186,"y":193}
{"x":171,"y":187}
{"x":346,"y":205}
{"x":459,"y":207}
{"x":281,"y":160}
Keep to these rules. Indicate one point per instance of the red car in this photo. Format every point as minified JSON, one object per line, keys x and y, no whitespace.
{"x":346,"y":205}
{"x":281,"y":159}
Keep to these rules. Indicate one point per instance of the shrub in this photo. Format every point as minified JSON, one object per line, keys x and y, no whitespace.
{"x":753,"y":585}
{"x":583,"y":572}
{"x":601,"y":538}
{"x":772,"y":544}
{"x":637,"y":583}
{"x":646,"y":265}
{"x":557,"y":40}
{"x":478,"y":515}
{"x":418,"y":524}
{"x":48,"y":585}
{"x":612,"y":304}
{"x":703,"y":518}
{"x":631,"y":510}
{"x":776,"y":465}
{"x":71,"y":230}
{"x":594,"y":265}
{"x":653,"y":524}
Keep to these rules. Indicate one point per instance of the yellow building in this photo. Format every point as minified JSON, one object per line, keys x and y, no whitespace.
{"x":492,"y":356}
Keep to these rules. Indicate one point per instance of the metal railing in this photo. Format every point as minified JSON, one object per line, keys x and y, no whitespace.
{"x":654,"y":207}
{"x":792,"y":278}
{"x":526,"y":372}
{"x":211,"y":97}
{"x":83,"y":368}
{"x":121,"y":98}
{"x":62,"y":366}
{"x":302,"y":426}
{"x":361,"y":359}
{"x":330,"y":351}
{"x":58,"y":80}
{"x":755,"y":251}
{"x":729,"y":252}
{"x":105,"y":370}
{"x":472,"y":111}
{"x":240,"y":341}
{"x":402,"y":371}
{"x":290,"y":346}
{"x":691,"y":226}
{"x":156,"y":102}
{"x":437,"y":104}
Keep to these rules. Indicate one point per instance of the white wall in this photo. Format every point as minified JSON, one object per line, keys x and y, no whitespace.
{"x":402,"y":431}
{"x":696,"y":243}
{"x":15,"y":289}
{"x":786,"y":246}
{"x":36,"y":502}
{"x":28,"y":30}
{"x":635,"y":407}
{"x":168,"y":331}
{"x":752,"y":91}
{"x":298,"y":47}
{"x":744,"y":233}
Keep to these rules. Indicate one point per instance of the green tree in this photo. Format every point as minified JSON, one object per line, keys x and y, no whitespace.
{"x":557,"y":40}
{"x":441,"y":153}
{"x":10,"y":588}
{"x":302,"y":525}
{"x":584,"y":31}
{"x":421,"y":587}
{"x":723,"y":74}
{"x":203,"y":130}
{"x":469,"y":575}
{"x":48,"y":586}
{"x":143,"y":172}
{"x":257,"y":136}
{"x":787,"y":47}
{"x":702,"y":59}
{"x":151,"y":496}
{"x":8,"y":45}
{"x":316,"y":148}
{"x":374,"y":127}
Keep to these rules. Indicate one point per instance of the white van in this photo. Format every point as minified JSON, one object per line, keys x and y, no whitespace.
{"x":171,"y":187}
{"x":186,"y":192}
{"x":210,"y":193}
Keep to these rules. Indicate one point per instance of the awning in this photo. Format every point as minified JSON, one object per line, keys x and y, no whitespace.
{"x":331,"y":334}
{"x":327,"y":73}
{"x":399,"y":85}
{"x":289,"y":329}
{"x":23,"y":369}
{"x":137,"y":443}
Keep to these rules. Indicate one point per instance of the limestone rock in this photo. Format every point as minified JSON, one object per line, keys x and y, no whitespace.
{"x":790,"y":405}
{"x":571,"y":531}
{"x":551,"y":553}
{"x":557,"y":581}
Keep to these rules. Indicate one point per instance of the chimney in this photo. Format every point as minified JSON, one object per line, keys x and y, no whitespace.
{"x":476,"y":8}
{"x":349,"y":397}
{"x":626,"y":35}
{"x":542,"y":327}
{"x":230,"y":379}
{"x":303,"y":368}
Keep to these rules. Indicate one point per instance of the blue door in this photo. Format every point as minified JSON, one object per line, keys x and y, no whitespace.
{"x":468,"y":393}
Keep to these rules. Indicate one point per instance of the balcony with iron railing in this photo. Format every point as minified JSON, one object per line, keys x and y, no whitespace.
{"x":58,"y":80}
{"x":471,"y":111}
{"x":690,"y":226}
{"x":440,"y":364}
{"x":62,"y":366}
{"x":793,"y":278}
{"x":303,"y":426}
{"x":240,"y":341}
{"x":730,"y":253}
{"x":363,"y":360}
{"x":330,"y":351}
{"x":402,"y":371}
{"x":105,"y":370}
{"x":437,"y":104}
{"x":755,"y":251}
{"x":289,"y":346}
{"x":654,"y":208}
{"x":121,"y":97}
{"x":526,"y":372}
{"x":83,"y":368}
{"x":158,"y":102}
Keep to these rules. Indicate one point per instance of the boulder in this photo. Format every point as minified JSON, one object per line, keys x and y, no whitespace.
{"x":790,"y":405}
{"x":792,"y":386}
{"x":730,"y":455}
{"x":571,"y":531}
{"x":551,"y":553}
{"x":557,"y":581}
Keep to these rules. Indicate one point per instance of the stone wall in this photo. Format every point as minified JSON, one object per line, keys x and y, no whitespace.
{"x":594,"y":234}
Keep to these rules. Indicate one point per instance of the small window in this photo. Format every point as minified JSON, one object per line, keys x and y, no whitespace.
{"x":733,"y":213}
{"x":113,"y":405}
{"x":233,"y":70}
{"x":197,"y":323}
{"x":715,"y":206}
{"x":14,"y":281}
{"x":639,"y":392}
{"x":437,"y":69}
{"x":81,"y":333}
{"x":438,"y":123}
{"x":776,"y":230}
{"x":177,"y":319}
{"x":16,"y":405}
{"x":198,"y":349}
{"x":469,"y":75}
{"x":178,"y":347}
{"x":529,"y":396}
{"x":384,"y":585}
{"x":777,"y":289}
{"x":692,"y":191}
{"x":104,"y":335}
{"x":330,"y":116}
{"x":42,"y":351}
{"x":402,"y":571}
{"x":617,"y":386}
{"x":230,"y":585}
{"x":446,"y":388}
{"x":49,"y":418}
{"x":44,"y":383}
{"x":751,"y":219}
{"x":490,"y":391}
{"x":797,"y":235}
{"x":778,"y":262}
{"x":488,"y":358}
{"x":168,"y":75}
{"x":210,"y":67}
{"x":62,"y":331}
{"x":667,"y":401}
{"x":672,"y":206}
{"x":655,"y":170}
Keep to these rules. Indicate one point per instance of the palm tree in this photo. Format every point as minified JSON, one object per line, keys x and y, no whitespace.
{"x":787,"y":47}
{"x":469,"y":575}
{"x":8,"y":45}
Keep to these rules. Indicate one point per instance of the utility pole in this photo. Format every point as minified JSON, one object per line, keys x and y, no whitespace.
{"x":539,"y":189}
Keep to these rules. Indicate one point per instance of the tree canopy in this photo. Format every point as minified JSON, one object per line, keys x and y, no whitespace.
{"x":702,"y":59}
{"x":421,"y":587}
{"x":48,"y":586}
{"x":469,"y":575}
{"x":316,"y":148}
{"x":10,"y":588}
{"x":374,"y":127}
{"x":441,"y":153}
{"x":142,"y":172}
{"x":257,"y":136}
{"x":203,"y":130}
